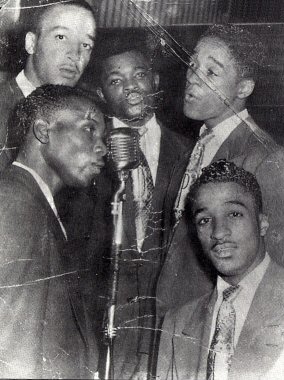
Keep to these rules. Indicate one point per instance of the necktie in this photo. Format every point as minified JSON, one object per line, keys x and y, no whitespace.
{"x":142,"y":193}
{"x":192,"y":172}
{"x":222,"y":345}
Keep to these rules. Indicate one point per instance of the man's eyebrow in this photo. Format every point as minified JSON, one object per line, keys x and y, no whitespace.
{"x":216,"y":61}
{"x":238,"y":203}
{"x":198,"y":211}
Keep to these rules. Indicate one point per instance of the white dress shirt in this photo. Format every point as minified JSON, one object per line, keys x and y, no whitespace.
{"x":221,"y":133}
{"x":46,"y":191}
{"x":150,"y":142}
{"x":24,"y":84}
{"x":243,"y":300}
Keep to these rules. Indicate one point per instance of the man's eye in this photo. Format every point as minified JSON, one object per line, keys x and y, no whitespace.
{"x":141,"y":75}
{"x":91,"y":129}
{"x":202,"y":221}
{"x":235,"y":214}
{"x":87,"y":46}
{"x":212,"y":73}
{"x":114,"y":82}
{"x":60,"y":37}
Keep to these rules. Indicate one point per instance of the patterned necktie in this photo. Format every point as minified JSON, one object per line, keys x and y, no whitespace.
{"x":142,"y":193}
{"x":222,"y":345}
{"x":192,"y":172}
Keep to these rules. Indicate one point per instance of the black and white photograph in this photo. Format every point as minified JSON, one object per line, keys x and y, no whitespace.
{"x":142,"y":189}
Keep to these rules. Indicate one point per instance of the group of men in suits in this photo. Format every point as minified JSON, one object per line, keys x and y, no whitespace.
{"x":160,"y":264}
{"x":220,"y":78}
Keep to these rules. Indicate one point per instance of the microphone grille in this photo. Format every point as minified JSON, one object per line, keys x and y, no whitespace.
{"x":123,"y":148}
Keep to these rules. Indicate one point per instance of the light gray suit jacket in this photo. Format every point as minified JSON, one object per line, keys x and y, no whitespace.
{"x":184,"y":344}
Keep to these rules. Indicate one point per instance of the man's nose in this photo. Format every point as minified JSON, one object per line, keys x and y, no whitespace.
{"x":130,"y":84}
{"x":220,"y":229}
{"x":75,"y":51}
{"x":194,"y":76}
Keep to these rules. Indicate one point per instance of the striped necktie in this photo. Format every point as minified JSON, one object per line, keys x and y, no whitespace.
{"x":222,"y":345}
{"x":143,"y":188}
{"x":192,"y":172}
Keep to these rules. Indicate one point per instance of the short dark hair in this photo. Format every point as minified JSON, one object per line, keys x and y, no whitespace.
{"x":246,"y":48}
{"x":140,"y":42}
{"x":42,"y":102}
{"x":223,"y":171}
{"x":36,"y":17}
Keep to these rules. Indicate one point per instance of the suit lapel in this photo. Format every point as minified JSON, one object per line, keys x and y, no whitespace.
{"x":25,"y":177}
{"x":235,"y":143}
{"x":15,"y":90}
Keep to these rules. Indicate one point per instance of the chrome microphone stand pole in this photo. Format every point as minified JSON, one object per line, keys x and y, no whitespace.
{"x":117,"y":207}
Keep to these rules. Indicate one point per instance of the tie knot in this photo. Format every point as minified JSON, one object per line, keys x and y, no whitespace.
{"x":230,"y":293}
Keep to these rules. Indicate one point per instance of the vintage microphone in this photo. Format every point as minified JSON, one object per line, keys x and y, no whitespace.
{"x":123,"y":156}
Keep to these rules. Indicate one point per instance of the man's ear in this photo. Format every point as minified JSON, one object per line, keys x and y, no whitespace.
{"x":30,"y":42}
{"x":263,"y":223}
{"x":100,"y":94}
{"x":245,"y":87}
{"x":40,"y":129}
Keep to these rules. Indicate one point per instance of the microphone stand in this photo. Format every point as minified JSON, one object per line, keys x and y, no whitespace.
{"x":117,"y":207}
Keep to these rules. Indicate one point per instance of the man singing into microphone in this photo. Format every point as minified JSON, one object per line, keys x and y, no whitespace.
{"x":129,"y":88}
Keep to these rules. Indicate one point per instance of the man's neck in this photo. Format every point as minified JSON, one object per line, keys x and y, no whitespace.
{"x":137,"y":122}
{"x":47,"y":175}
{"x":212,"y":123}
{"x":31,"y":75}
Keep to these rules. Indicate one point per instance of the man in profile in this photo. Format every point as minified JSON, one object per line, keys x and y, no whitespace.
{"x":236,"y":331}
{"x":58,"y":43}
{"x":45,"y":329}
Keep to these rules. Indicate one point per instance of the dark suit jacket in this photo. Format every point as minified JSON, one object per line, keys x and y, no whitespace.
{"x":138,"y":272}
{"x":10,"y":94}
{"x":186,"y":274}
{"x":45,"y":332}
{"x":185,"y":336}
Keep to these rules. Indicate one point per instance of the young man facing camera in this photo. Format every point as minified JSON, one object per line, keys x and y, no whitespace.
{"x":220,"y":78}
{"x":235,"y":331}
{"x":46,"y":330}
{"x":59,"y":45}
{"x":129,"y":88}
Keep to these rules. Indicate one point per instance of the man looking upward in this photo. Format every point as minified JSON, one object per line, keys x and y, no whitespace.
{"x":220,"y":78}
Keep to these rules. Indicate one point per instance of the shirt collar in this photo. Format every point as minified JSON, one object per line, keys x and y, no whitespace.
{"x":222,"y":130}
{"x":45,"y":189}
{"x":250,"y":282}
{"x":24,"y":84}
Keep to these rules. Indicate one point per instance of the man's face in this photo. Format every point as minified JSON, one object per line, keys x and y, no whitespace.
{"x":212,"y":66}
{"x":75,"y":148}
{"x":62,"y":49}
{"x":229,"y":228}
{"x":129,"y":86}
